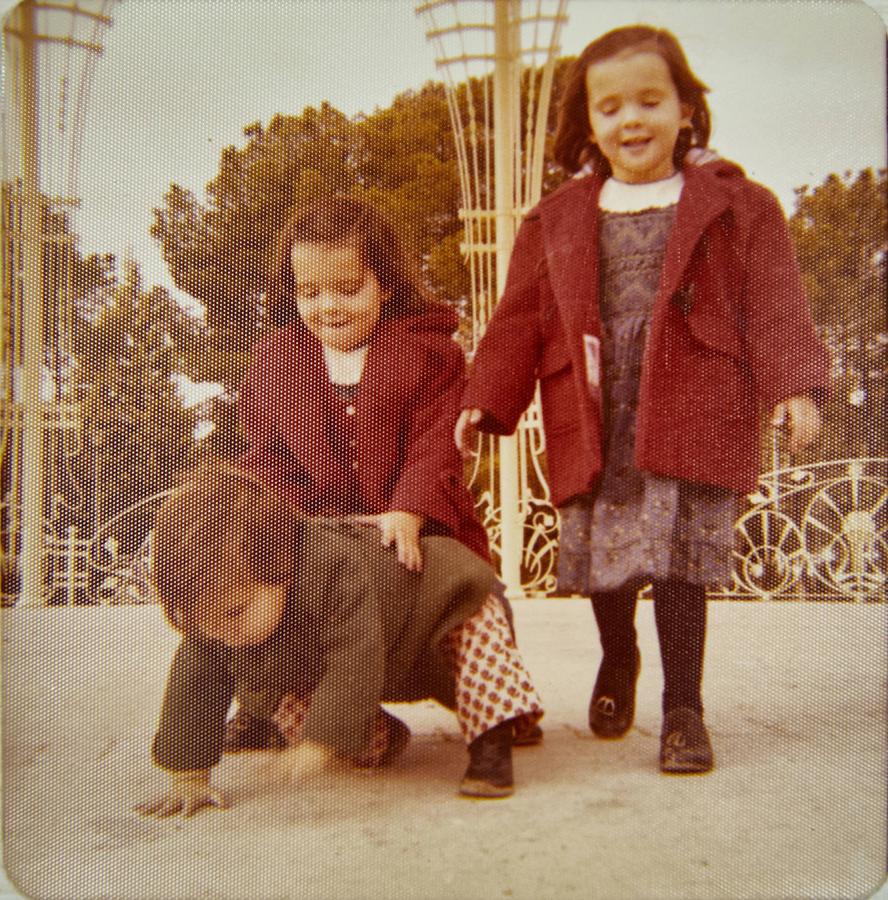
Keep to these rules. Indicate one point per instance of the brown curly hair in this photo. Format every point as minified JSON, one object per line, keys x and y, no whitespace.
{"x":217,"y":531}
{"x":572,"y":148}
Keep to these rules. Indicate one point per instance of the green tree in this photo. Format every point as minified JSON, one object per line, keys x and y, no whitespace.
{"x":840,"y":233}
{"x":401,"y":158}
{"x":134,"y":343}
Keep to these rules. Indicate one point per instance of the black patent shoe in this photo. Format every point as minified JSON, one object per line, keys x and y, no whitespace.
{"x":612,"y":707}
{"x":489,"y":774}
{"x":247,"y":732}
{"x":684,"y":743}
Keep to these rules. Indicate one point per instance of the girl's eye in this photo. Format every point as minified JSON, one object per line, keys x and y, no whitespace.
{"x":350,"y":288}
{"x":338,"y":289}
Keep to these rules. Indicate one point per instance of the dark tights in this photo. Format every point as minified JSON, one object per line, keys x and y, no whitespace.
{"x":680,"y":615}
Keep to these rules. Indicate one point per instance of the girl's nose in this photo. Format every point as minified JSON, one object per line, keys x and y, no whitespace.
{"x":327,"y":301}
{"x":631,"y":114}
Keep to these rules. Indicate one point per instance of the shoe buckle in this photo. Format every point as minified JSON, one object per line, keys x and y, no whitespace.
{"x":606,"y":705}
{"x":676,"y":739}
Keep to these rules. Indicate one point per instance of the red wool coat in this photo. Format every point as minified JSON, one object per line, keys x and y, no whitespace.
{"x":730,"y":334}
{"x":391,"y":449}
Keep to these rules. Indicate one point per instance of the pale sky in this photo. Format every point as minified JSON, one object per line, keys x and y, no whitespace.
{"x":797,"y":88}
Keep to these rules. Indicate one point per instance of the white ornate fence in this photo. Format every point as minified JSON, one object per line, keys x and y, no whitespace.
{"x":498,"y":61}
{"x":816,"y":532}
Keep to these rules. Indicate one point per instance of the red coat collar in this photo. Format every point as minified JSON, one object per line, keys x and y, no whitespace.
{"x":394,"y":364}
{"x":569,"y":218}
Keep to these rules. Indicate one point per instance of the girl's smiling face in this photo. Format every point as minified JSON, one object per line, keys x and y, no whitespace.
{"x":338,"y":298}
{"x":635,"y":114}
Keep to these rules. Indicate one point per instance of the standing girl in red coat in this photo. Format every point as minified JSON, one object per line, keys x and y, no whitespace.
{"x":659,"y":305}
{"x":348,"y":406}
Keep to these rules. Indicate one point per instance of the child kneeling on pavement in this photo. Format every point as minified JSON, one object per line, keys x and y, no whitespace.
{"x":320,"y":624}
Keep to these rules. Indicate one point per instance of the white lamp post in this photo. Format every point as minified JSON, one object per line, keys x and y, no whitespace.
{"x":485,"y":48}
{"x":50,"y":49}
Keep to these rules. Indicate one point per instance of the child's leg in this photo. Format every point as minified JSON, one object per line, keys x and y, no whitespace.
{"x":250,"y":728}
{"x":244,"y":731}
{"x":289,"y":717}
{"x":493,"y":691}
{"x":492,"y":683}
{"x":615,"y":616}
{"x":680,"y":614}
{"x":525,"y":731}
{"x":612,"y":707}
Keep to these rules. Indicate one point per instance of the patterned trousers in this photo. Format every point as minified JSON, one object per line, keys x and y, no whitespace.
{"x":492,"y":685}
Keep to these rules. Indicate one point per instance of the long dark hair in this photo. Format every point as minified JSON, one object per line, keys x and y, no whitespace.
{"x":572,"y":148}
{"x":344,"y":220}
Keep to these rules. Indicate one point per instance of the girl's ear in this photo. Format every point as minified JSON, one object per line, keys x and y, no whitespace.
{"x":687,"y":115}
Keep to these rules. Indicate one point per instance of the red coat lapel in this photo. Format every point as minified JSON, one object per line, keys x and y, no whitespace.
{"x":570,"y":236}
{"x":703,"y":199}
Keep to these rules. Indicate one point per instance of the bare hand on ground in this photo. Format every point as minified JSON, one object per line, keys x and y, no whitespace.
{"x":298,"y":764}
{"x":187,"y":793}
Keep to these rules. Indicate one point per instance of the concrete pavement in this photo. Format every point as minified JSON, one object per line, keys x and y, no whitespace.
{"x":796,"y":704}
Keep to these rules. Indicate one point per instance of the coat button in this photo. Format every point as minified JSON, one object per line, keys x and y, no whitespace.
{"x":350,"y":410}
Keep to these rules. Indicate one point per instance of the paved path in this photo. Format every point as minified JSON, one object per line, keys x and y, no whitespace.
{"x":796,"y":807}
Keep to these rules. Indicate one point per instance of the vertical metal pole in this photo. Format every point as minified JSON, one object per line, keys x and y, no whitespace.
{"x":71,"y":564}
{"x":507,"y":54}
{"x":32,"y":323}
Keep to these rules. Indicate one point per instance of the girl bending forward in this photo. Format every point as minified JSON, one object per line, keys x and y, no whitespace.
{"x":348,"y":405}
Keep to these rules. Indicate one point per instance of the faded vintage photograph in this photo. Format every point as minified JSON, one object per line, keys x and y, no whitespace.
{"x":444,"y":449}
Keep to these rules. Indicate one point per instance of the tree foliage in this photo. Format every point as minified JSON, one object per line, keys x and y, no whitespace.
{"x":401,"y":158}
{"x":840,"y":231}
{"x":134,"y":344}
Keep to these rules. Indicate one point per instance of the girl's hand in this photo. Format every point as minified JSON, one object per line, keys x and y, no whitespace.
{"x":804,"y":421}
{"x":465,"y":434}
{"x":402,"y":529}
{"x":187,"y":793}
{"x":298,"y":764}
